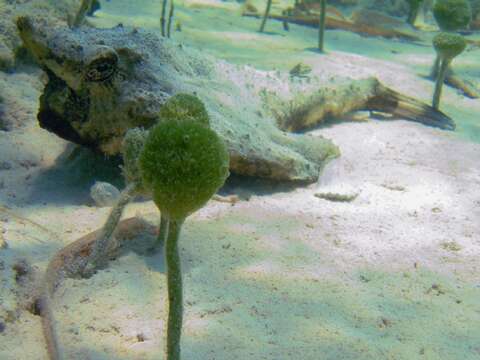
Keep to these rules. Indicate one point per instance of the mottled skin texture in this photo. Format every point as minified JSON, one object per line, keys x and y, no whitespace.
{"x":53,"y":11}
{"x":104,"y":81}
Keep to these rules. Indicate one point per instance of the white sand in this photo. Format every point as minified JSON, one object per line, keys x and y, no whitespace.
{"x":394,"y":274}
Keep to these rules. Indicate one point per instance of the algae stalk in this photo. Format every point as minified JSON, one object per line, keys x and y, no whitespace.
{"x":447,"y":46}
{"x":175,"y":291}
{"x":321,"y":25}
{"x":439,"y":84}
{"x":265,"y":16}
{"x":170,"y":18}
{"x":104,"y":240}
{"x":435,"y":67}
{"x":85,"y":7}
{"x":162,"y":232}
{"x":162,"y":17}
{"x":413,"y":11}
{"x":184,"y":163}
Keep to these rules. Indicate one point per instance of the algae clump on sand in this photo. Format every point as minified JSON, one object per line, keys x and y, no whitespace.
{"x":452,"y":15}
{"x":183,"y":163}
{"x":448,"y":46}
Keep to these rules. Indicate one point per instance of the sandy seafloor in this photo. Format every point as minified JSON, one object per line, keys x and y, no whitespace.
{"x":394,"y":274}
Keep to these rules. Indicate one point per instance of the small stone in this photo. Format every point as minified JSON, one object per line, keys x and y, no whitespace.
{"x":451,"y":246}
{"x":346,"y":195}
{"x":104,"y":194}
{"x":5,"y":165}
{"x":333,"y":183}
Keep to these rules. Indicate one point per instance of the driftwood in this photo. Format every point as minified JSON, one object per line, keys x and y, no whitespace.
{"x":312,"y":20}
{"x":462,"y":85}
{"x":452,"y":80}
{"x":369,"y":95}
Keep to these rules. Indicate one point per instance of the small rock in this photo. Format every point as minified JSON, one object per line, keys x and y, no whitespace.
{"x":343,"y":195}
{"x":5,"y":165}
{"x":104,"y":194}
{"x":333,"y":183}
{"x":450,"y":246}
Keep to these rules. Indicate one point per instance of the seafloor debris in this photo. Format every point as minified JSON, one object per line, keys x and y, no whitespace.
{"x":332,"y":22}
{"x":104,"y":194}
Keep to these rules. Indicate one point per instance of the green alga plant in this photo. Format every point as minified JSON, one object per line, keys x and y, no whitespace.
{"x":413,"y":11}
{"x":180,"y":107}
{"x":165,"y":27}
{"x":132,"y":145}
{"x":265,"y":15}
{"x":183,"y":163}
{"x":448,"y":46}
{"x":452,"y":15}
{"x":163,"y":21}
{"x":81,"y":13}
{"x":170,"y":18}
{"x":321,"y":25}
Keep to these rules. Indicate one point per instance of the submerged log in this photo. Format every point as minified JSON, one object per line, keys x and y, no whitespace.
{"x":303,"y":113}
{"x":332,"y":23}
{"x":464,"y":86}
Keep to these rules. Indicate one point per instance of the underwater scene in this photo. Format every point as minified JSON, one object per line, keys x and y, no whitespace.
{"x":239,"y":179}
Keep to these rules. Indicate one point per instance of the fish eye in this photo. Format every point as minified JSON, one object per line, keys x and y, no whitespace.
{"x":102,"y":64}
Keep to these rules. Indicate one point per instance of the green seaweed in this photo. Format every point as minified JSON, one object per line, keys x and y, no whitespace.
{"x":265,"y":16}
{"x":448,"y":46}
{"x":413,"y":11}
{"x":321,"y":26}
{"x":183,"y":163}
{"x":452,"y":15}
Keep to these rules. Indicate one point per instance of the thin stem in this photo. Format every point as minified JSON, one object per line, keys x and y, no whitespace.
{"x":104,"y":240}
{"x":162,"y":233}
{"x":321,"y":25}
{"x":436,"y":66}
{"x":265,"y":16}
{"x":162,"y":17}
{"x":170,"y":18}
{"x":413,"y":13}
{"x":81,"y":13}
{"x":175,"y":291}
{"x":438,"y":85}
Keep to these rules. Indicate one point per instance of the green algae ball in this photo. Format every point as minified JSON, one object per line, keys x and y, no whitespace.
{"x":184,"y":106}
{"x":183,"y":163}
{"x":448,"y":45}
{"x":452,"y":15}
{"x":414,"y":3}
